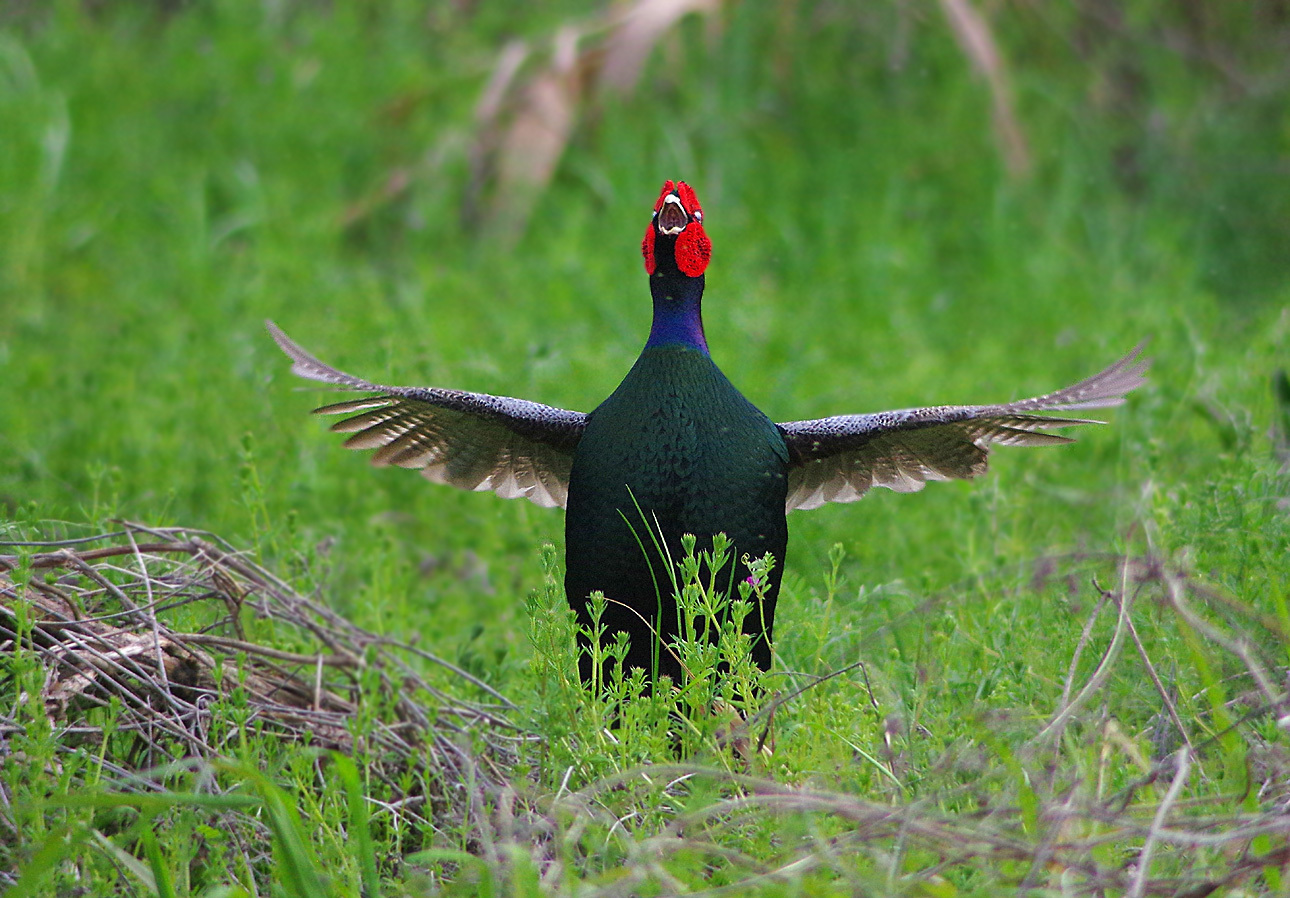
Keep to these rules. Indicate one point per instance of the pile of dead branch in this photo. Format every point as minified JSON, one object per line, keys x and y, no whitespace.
{"x":99,"y":615}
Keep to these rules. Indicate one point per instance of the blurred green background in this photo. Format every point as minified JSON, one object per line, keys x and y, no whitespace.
{"x":902,"y":215}
{"x":911,"y":202}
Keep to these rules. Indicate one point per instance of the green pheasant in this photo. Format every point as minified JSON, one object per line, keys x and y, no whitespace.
{"x":676,"y":450}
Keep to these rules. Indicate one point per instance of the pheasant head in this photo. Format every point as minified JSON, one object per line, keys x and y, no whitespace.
{"x":675,"y":242}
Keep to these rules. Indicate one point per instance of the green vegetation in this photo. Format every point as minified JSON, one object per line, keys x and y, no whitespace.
{"x":1036,"y":646}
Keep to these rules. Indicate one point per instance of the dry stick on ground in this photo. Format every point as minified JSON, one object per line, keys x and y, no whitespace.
{"x":1239,"y":648}
{"x":1103,"y":672}
{"x":1085,"y":635}
{"x":1160,"y":686}
{"x":1158,"y":823}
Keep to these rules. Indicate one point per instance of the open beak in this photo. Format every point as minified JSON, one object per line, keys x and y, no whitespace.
{"x":672,"y":218}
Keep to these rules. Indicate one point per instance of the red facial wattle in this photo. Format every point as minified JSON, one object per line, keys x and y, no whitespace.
{"x":691,"y":248}
{"x":647,"y":249}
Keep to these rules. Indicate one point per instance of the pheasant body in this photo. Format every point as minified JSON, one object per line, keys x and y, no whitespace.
{"x":676,"y":450}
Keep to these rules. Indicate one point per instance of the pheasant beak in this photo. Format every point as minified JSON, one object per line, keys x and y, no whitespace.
{"x":672,"y":218}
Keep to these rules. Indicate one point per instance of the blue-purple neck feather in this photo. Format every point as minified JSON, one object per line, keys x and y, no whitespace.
{"x":678,"y":318}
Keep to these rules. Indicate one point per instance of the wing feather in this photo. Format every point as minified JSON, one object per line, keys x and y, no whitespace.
{"x":839,"y":459}
{"x":474,"y":441}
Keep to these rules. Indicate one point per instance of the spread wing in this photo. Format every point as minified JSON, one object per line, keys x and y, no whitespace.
{"x":474,"y":441}
{"x":838,"y":459}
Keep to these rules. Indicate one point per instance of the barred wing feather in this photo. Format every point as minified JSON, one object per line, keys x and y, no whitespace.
{"x":474,"y":441}
{"x":839,"y":459}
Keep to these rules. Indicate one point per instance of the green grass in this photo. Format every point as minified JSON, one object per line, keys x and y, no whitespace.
{"x":170,"y":180}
